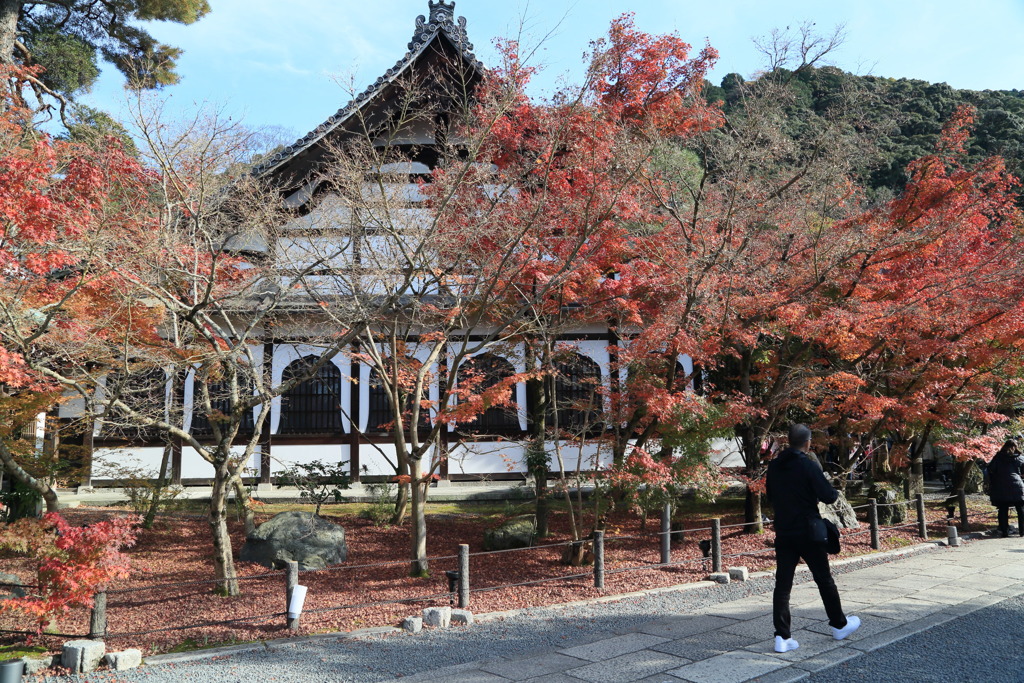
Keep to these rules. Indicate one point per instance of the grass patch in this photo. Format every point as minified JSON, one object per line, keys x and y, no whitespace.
{"x":9,"y":652}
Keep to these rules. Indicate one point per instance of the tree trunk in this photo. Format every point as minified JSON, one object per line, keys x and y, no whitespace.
{"x":402,"y":495}
{"x":223,"y":558}
{"x":158,"y":491}
{"x":418,"y":489}
{"x":242,"y":496}
{"x":10,"y":10}
{"x":752,"y":512}
{"x":536,"y":455}
{"x":43,"y":488}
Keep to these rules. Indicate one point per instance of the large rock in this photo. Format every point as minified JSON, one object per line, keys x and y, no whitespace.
{"x":11,"y":587}
{"x":518,"y":532}
{"x":840,"y":512}
{"x":889,"y":514}
{"x":311,"y":541}
{"x":974,"y":480}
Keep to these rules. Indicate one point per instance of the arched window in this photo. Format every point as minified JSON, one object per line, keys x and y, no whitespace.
{"x":314,"y":405}
{"x":221,"y":404}
{"x":501,"y":419}
{"x":380,"y":413}
{"x":577,"y":396}
{"x":144,"y":391}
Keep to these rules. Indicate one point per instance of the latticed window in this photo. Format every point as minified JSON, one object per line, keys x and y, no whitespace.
{"x":496,"y":419}
{"x":380,"y":413}
{"x":145,"y":393}
{"x":577,"y":386}
{"x":221,"y":403}
{"x":314,"y":405}
{"x":656,"y":376}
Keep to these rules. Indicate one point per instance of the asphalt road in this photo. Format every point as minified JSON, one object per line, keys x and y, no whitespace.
{"x":986,"y":646}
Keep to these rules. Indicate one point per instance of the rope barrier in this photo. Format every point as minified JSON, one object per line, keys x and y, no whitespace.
{"x":531,"y":547}
{"x":197,"y":582}
{"x":259,"y":617}
{"x":403,"y":601}
{"x":530,"y":583}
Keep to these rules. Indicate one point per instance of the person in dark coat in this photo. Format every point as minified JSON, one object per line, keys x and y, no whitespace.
{"x":795,"y":484}
{"x":1006,"y":487}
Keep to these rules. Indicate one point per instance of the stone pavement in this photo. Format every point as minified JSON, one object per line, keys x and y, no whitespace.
{"x":732,"y":641}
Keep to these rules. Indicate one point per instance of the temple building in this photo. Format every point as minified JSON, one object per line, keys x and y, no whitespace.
{"x":342,"y":414}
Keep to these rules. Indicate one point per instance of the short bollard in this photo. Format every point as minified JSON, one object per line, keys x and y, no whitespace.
{"x":599,"y":559}
{"x":961,"y":496}
{"x":291,"y":580}
{"x":463,"y":576}
{"x":873,"y":521}
{"x":716,"y":545}
{"x":952,"y":538}
{"x":922,"y":521}
{"x":666,"y":534}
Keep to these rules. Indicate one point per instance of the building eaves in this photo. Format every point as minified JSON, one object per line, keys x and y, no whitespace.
{"x":442,"y":21}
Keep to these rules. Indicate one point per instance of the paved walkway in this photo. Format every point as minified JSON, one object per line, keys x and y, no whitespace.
{"x":731,"y":642}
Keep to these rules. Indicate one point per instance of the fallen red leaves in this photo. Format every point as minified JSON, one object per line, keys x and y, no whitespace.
{"x":179,"y":550}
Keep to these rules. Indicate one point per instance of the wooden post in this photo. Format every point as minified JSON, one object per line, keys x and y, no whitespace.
{"x":873,"y":521}
{"x":922,"y":522}
{"x":961,"y":497}
{"x":98,"y":619}
{"x":291,"y":578}
{"x":666,"y":533}
{"x":463,"y":576}
{"x":599,"y":559}
{"x":716,"y":545}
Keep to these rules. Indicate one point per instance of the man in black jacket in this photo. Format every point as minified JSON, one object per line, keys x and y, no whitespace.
{"x":795,"y":485}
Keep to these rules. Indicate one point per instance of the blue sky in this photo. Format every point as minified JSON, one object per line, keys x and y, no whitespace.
{"x":276,"y":63}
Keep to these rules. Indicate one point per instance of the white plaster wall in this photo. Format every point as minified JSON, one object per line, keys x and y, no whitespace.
{"x":588,"y":457}
{"x":283,"y":457}
{"x":194,"y":467}
{"x":726,"y":453}
{"x":379,"y":459}
{"x":145,"y":459}
{"x":284,"y":355}
{"x":487,"y":457}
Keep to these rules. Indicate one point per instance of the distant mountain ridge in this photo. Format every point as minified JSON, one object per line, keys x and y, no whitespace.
{"x":911,"y":113}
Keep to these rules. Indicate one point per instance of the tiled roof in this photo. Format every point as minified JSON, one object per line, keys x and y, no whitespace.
{"x":442,"y":21}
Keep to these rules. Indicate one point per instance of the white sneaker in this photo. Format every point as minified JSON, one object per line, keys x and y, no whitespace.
{"x":852,"y":624}
{"x":785,"y":644}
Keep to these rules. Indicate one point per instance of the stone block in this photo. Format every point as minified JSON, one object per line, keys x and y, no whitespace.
{"x":739,"y":573}
{"x":438,"y":617}
{"x":413,"y":624}
{"x":719,"y":577}
{"x":122,"y":661}
{"x":462,"y":617}
{"x":34,"y":665}
{"x":82,"y":656}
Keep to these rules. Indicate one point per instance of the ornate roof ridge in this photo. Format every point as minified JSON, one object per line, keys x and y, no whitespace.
{"x":442,"y":20}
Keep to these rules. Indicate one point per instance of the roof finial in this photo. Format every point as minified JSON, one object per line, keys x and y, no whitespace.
{"x":441,"y":11}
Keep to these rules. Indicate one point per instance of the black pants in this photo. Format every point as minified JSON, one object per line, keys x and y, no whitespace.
{"x":1004,"y":519}
{"x":788,"y":552}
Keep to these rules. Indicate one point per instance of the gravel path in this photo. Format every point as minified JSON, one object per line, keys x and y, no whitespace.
{"x":982,"y":646}
{"x":387,"y":657}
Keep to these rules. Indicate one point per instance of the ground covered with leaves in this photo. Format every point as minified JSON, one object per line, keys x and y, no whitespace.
{"x":168,"y":603}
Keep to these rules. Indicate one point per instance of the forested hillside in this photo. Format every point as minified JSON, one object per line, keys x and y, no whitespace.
{"x":907,"y":113}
